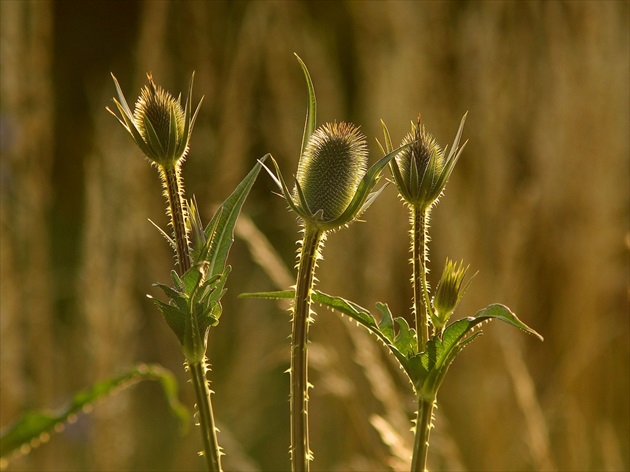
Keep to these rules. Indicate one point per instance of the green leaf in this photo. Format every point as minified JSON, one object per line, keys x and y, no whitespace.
{"x":35,"y":426}
{"x":301,"y":209}
{"x":440,"y":353}
{"x":386,"y":325}
{"x":173,"y":317}
{"x":364,"y":318}
{"x":194,"y":303}
{"x":311,"y":112}
{"x":356,"y":312}
{"x":281,"y":295}
{"x":406,"y":340}
{"x":220,"y":230}
{"x":503,"y":313}
{"x":425,"y":370}
{"x":369,"y":181}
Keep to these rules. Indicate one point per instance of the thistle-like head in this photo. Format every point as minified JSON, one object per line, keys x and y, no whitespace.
{"x":158,"y":124}
{"x":333,"y":186}
{"x":330,"y":170}
{"x":422,"y":169}
{"x":449,"y":292}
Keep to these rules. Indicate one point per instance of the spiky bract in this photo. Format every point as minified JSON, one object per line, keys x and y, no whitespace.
{"x":422,"y":169}
{"x":158,"y":124}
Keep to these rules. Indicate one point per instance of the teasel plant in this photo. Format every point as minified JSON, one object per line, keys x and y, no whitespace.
{"x":420,"y":173}
{"x":425,"y":351}
{"x":333,"y":187}
{"x":162,"y":128}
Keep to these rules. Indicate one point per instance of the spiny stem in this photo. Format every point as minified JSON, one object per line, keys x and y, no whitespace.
{"x":212,"y":452}
{"x":421,"y":303}
{"x":174,"y":192}
{"x":173,"y":188}
{"x":421,"y":441}
{"x":300,"y":452}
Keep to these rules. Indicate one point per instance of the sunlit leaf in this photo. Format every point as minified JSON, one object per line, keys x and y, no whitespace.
{"x":35,"y":427}
{"x":221,"y":228}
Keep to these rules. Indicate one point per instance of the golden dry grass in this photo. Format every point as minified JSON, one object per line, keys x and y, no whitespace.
{"x":538,"y":204}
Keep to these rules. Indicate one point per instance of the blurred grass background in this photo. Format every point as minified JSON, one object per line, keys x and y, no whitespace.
{"x":538,"y":205}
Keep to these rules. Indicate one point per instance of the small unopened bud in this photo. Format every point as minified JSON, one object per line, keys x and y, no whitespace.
{"x":330,"y":169}
{"x":160,"y":119}
{"x":420,"y":164}
{"x":422,"y":169}
{"x":159,"y":125}
{"x":449,"y":292}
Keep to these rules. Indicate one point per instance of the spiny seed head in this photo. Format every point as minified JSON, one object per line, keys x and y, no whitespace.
{"x":419,"y":167}
{"x":423,"y":150}
{"x":158,"y":125}
{"x":331,"y":168}
{"x":159,"y":109}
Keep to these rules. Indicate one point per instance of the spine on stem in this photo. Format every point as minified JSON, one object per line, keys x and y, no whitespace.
{"x":174,"y":191}
{"x":419,"y":245}
{"x":421,"y":440}
{"x":211,"y":449}
{"x":300,"y":451}
{"x":161,"y":128}
{"x":421,"y":303}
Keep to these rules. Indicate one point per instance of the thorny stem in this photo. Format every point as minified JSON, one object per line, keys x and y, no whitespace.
{"x":174,"y":191}
{"x":421,"y":441}
{"x":419,"y":244}
{"x":300,"y":452}
{"x":421,"y":305}
{"x":212,"y":451}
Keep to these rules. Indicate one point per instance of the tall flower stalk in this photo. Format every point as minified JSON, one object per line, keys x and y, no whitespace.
{"x":162,"y":128}
{"x":421,"y":172}
{"x":333,"y":187}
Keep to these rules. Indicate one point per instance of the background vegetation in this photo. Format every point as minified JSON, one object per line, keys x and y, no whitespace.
{"x":538,"y":204}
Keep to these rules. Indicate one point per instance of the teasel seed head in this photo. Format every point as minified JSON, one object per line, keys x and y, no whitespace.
{"x":158,"y":124}
{"x":330,"y":170}
{"x":422,"y":169}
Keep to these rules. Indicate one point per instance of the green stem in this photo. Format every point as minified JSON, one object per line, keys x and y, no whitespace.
{"x":174,"y":191}
{"x":421,"y":441}
{"x":421,"y":303}
{"x":300,"y":452}
{"x":212,"y":451}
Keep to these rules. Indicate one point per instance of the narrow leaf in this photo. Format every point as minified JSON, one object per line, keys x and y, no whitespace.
{"x":223,"y":227}
{"x":503,"y":313}
{"x":311,"y":112}
{"x":282,"y":295}
{"x":366,"y":185}
{"x":33,"y":425}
